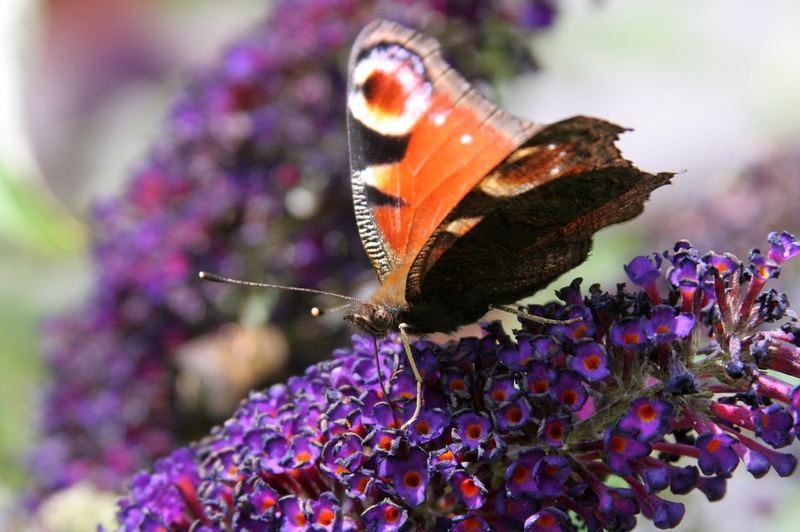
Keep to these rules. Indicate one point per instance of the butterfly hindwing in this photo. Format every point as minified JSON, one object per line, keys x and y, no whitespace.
{"x":421,"y":137}
{"x":525,"y":223}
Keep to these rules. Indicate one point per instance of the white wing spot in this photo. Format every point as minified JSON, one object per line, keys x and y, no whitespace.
{"x":466,"y":138}
{"x":555,"y":170}
{"x":439,"y":119}
{"x":551,"y":146}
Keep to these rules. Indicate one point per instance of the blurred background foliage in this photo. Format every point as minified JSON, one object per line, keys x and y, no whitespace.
{"x":710,"y":87}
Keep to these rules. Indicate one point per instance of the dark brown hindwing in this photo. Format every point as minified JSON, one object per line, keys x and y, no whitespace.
{"x":530,"y":220}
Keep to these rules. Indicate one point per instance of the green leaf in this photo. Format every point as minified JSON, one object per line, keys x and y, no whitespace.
{"x":30,"y":217}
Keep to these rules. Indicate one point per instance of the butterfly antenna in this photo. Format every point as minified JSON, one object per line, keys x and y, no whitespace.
{"x":317,"y":312}
{"x":213,"y":277}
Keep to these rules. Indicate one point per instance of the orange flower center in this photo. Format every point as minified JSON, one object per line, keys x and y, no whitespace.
{"x":521,"y":474}
{"x":514,"y":414}
{"x":446,"y":456}
{"x":412,"y":479}
{"x":618,"y":444}
{"x":546,"y":521}
{"x":646,"y":412}
{"x":391,"y":514}
{"x":591,"y":362}
{"x":569,"y":397}
{"x":468,"y":488}
{"x":714,"y":445}
{"x":267,"y":503}
{"x":471,"y":524}
{"x":579,"y":330}
{"x":631,"y":338}
{"x":555,"y":431}
{"x":474,"y":431}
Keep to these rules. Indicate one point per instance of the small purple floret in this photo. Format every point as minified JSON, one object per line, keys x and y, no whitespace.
{"x":647,"y":420}
{"x":621,"y":450}
{"x":409,"y":475}
{"x":642,"y":271}
{"x":717,"y":456}
{"x":590,"y":360}
{"x":665,"y":326}
{"x":385,"y":516}
{"x":629,"y":334}
{"x":783,"y":246}
{"x":472,"y":429}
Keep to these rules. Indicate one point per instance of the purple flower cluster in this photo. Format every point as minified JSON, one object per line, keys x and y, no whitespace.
{"x":249,"y":179}
{"x":580,"y":424}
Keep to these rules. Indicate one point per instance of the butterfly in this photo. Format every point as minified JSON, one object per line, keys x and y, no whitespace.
{"x":460,"y":205}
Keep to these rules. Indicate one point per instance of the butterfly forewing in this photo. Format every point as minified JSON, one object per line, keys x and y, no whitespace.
{"x":420,"y":139}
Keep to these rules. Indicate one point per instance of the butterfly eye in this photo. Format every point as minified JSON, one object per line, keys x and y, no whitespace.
{"x":381,"y":318}
{"x":372,"y":318}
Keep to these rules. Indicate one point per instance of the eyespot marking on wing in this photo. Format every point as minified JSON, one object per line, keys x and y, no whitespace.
{"x":390,"y":90}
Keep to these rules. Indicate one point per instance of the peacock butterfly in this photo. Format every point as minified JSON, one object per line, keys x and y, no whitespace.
{"x":460,"y":205}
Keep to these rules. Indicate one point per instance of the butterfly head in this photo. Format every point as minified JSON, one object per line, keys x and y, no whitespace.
{"x":374,"y":318}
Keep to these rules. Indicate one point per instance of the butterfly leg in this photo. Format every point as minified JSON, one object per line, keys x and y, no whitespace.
{"x":415,"y":371}
{"x":531,"y":317}
{"x":380,"y":377}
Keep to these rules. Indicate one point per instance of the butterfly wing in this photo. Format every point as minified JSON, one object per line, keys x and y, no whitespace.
{"x":421,"y":137}
{"x":525,"y":223}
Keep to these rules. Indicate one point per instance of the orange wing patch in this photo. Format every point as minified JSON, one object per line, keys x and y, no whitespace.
{"x":442,"y":164}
